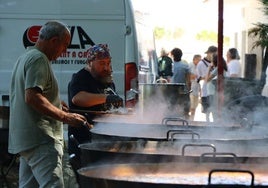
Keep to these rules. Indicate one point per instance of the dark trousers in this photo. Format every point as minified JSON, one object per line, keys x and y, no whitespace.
{"x":207,"y":103}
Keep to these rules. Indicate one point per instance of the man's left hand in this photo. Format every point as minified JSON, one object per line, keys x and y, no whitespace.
{"x":114,"y":100}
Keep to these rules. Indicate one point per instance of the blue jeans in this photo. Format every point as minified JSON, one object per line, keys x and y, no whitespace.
{"x":42,"y":166}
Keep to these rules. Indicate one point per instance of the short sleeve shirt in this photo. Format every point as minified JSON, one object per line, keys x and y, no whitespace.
{"x":180,"y":70}
{"x":201,"y":70}
{"x":28,"y":128}
{"x":83,"y":81}
{"x":195,"y":87}
{"x":233,"y":68}
{"x":210,"y":86}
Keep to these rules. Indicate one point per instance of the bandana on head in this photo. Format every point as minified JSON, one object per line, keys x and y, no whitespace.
{"x":98,"y":51}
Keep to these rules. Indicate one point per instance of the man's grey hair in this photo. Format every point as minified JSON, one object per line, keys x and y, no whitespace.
{"x":53,"y":29}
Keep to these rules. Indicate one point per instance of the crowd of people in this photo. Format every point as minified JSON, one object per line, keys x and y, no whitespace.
{"x":198,"y":76}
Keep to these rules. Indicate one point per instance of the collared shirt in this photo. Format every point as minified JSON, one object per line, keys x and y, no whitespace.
{"x":195,"y":86}
{"x":201,"y":70}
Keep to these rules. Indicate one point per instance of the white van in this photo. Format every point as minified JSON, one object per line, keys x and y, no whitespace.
{"x":91,"y":22}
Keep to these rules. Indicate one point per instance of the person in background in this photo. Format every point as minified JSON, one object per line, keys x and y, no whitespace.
{"x":234,"y":67}
{"x":36,"y":112}
{"x":181,"y":74}
{"x":201,"y":70}
{"x":91,"y":89}
{"x":195,"y":86}
{"x":212,"y":75}
{"x":165,"y":66}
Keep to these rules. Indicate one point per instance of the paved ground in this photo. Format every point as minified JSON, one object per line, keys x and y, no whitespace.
{"x":9,"y":176}
{"x":199,"y":116}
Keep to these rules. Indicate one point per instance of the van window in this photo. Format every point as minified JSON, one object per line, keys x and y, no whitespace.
{"x":147,"y":54}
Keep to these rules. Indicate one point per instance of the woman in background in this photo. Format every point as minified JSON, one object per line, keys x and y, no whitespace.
{"x":212,"y":75}
{"x":234,"y":67}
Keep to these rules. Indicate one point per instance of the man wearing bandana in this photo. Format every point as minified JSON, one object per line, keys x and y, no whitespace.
{"x":92,"y":89}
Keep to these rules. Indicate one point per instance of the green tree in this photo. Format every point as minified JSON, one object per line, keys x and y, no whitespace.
{"x":159,"y":32}
{"x":265,"y":6}
{"x":208,"y":36}
{"x":260,"y":33}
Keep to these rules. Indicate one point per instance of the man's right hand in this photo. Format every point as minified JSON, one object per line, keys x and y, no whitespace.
{"x":76,"y":120}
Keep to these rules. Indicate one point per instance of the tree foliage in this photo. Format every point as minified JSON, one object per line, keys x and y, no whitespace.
{"x":161,"y":33}
{"x":210,"y":36}
{"x":265,"y":5}
{"x":260,"y":30}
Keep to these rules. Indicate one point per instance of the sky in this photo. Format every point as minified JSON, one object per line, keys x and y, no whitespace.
{"x":196,"y":15}
{"x":172,"y":13}
{"x":192,"y":16}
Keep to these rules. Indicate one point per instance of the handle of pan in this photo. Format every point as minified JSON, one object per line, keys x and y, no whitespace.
{"x":214,"y":154}
{"x":172,"y":133}
{"x":169,"y":132}
{"x":178,"y":119}
{"x":161,"y":80}
{"x":197,"y":145}
{"x":191,"y":133}
{"x":231,"y":171}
